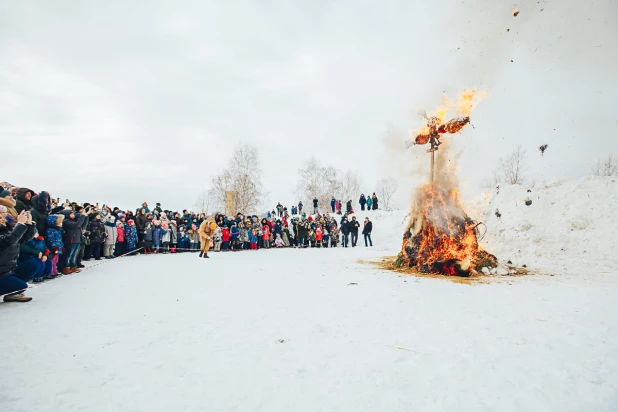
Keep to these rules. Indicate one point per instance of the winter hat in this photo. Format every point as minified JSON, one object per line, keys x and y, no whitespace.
{"x":3,"y":209}
{"x":131,"y":222}
{"x":5,"y":193}
{"x":94,"y":215}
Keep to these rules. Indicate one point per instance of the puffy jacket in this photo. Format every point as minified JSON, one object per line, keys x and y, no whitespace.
{"x":73,"y":228}
{"x":110,"y":231}
{"x":32,"y":248}
{"x":353,"y":226}
{"x":235,"y":234}
{"x":10,"y":240}
{"x":97,"y":231}
{"x":20,"y":200}
{"x":41,"y":208}
{"x":54,"y":233}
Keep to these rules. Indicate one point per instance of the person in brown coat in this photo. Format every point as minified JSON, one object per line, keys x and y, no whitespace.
{"x":207,"y":233}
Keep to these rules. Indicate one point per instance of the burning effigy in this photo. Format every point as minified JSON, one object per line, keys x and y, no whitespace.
{"x":440,"y":237}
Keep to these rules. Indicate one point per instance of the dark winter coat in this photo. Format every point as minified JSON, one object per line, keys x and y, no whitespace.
{"x":362,"y":200}
{"x":140,"y":222}
{"x":20,"y":201}
{"x":367,"y":228}
{"x":348,"y":206}
{"x":97,"y":231}
{"x":41,"y":208}
{"x":73,"y":228}
{"x":374,"y":199}
{"x":315,"y":202}
{"x":10,"y":240}
{"x":333,"y":202}
{"x":353,"y":226}
{"x":345,"y":228}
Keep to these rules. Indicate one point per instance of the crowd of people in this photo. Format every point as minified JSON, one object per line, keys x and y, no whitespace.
{"x":42,"y":238}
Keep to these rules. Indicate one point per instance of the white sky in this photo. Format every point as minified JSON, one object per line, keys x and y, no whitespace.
{"x":129,"y":101}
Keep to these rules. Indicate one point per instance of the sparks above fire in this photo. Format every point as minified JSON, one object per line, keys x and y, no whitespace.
{"x":440,"y":237}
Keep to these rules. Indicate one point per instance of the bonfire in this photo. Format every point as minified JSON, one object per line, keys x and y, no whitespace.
{"x":440,"y":237}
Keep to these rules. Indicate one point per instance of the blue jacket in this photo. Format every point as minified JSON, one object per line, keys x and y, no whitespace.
{"x":54,"y":235}
{"x":157,"y":235}
{"x":234,"y":234}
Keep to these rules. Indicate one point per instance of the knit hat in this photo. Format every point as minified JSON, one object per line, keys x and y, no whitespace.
{"x":121,"y":215}
{"x":94,"y":215}
{"x":3,"y":209}
{"x":5,"y":193}
{"x":131,"y":222}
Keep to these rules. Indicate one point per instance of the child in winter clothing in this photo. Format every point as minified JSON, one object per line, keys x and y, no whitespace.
{"x":217,"y":239}
{"x":225,"y":236}
{"x":173,"y":236}
{"x":165,"y":239}
{"x":130,"y":233}
{"x":235,"y":237}
{"x":35,"y":252}
{"x":194,"y":239}
{"x":183,"y":239}
{"x":253,"y":239}
{"x":53,"y":240}
{"x":266,"y":236}
{"x":119,"y":248}
{"x":279,"y":241}
{"x":318,"y":237}
{"x":111,"y":237}
{"x":157,"y":235}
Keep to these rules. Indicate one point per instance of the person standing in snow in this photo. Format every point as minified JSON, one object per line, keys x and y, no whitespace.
{"x":315,"y":205}
{"x":300,"y":208}
{"x":374,"y":202}
{"x":345,"y":232}
{"x":333,"y":202}
{"x":362,"y":201}
{"x":369,"y":202}
{"x":353,"y":227}
{"x":367,"y":228}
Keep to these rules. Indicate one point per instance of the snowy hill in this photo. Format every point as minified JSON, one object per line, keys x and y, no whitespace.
{"x":571,"y":226}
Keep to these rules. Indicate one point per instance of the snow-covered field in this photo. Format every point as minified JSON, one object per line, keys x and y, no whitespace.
{"x":317,"y":330}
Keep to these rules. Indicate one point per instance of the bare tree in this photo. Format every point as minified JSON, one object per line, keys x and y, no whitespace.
{"x":494,"y":179}
{"x":243,"y":177}
{"x":514,"y":166}
{"x":386,"y":188}
{"x":609,"y":167}
{"x":325,"y":182}
{"x":350,"y":186}
{"x":202,"y":203}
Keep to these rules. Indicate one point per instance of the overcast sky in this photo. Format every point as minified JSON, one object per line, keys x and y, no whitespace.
{"x":131,"y":101}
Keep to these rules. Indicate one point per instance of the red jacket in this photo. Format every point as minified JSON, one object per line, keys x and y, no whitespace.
{"x":225,"y":234}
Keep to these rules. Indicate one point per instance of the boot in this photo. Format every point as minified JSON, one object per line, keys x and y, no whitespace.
{"x":38,"y":279}
{"x":201,"y":253}
{"x":74,"y":269}
{"x":17,"y":298}
{"x":66,"y":271}
{"x":207,"y":257}
{"x":80,"y":266}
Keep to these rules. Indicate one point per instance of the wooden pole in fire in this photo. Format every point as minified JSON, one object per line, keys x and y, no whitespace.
{"x":432,"y":163}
